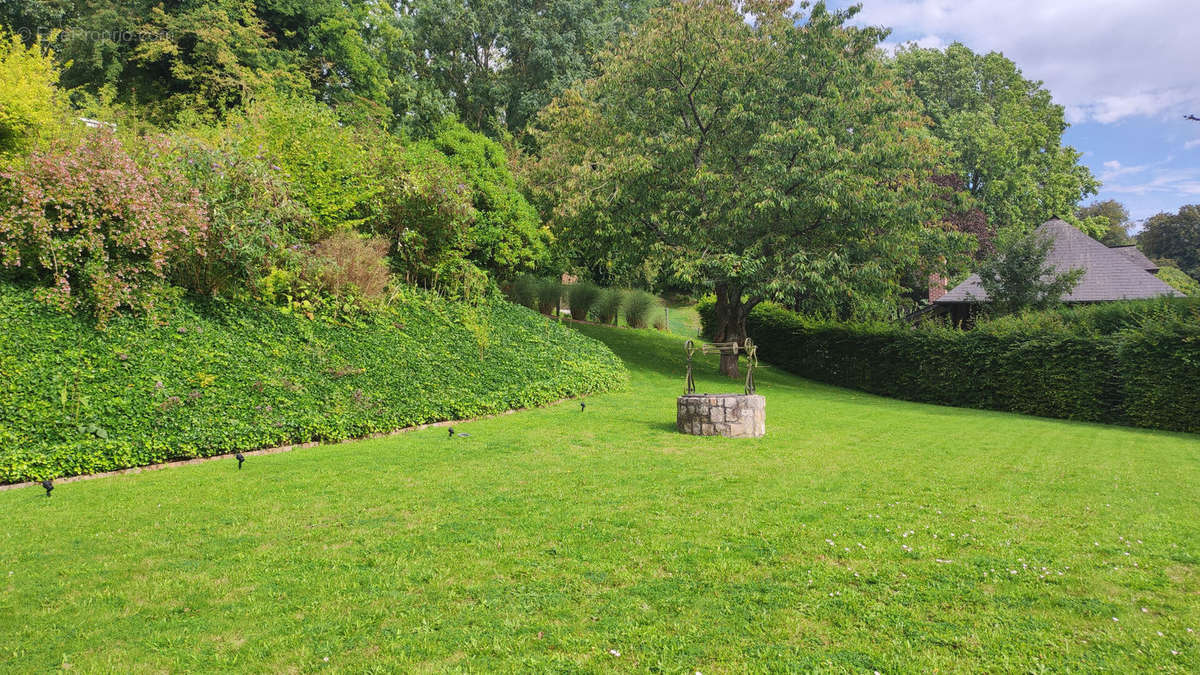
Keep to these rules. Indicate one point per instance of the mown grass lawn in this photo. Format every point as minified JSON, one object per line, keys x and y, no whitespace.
{"x":862,"y":534}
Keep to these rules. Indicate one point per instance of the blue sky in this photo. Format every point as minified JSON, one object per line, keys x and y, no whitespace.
{"x":1125,"y":70}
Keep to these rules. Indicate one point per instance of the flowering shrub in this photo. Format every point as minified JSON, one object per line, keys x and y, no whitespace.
{"x":254,"y":222}
{"x":93,"y":225}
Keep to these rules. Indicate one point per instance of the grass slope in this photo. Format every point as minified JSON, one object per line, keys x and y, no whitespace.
{"x":861,"y":534}
{"x":204,"y":380}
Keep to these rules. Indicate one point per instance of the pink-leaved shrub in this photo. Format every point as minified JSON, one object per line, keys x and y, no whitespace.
{"x":94,"y":227}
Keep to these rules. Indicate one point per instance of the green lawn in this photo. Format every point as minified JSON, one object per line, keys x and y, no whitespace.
{"x":683,"y":318}
{"x":862,"y":534}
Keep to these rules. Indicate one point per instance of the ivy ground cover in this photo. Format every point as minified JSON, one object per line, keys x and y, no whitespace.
{"x":203,"y":380}
{"x":861,"y":534}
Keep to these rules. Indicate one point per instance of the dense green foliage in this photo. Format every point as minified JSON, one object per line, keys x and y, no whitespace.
{"x":324,"y":163}
{"x":500,"y":61}
{"x":413,"y":61}
{"x":178,"y":60}
{"x":1109,"y":363}
{"x":1004,"y":131}
{"x":862,"y":534}
{"x":239,"y":210}
{"x":1174,"y":237}
{"x":1103,"y":318}
{"x":256,"y":225}
{"x":1177,"y":279}
{"x":789,"y":157}
{"x":203,"y":380}
{"x":507,"y":236}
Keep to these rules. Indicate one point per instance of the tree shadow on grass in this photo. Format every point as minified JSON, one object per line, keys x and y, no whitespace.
{"x":662,"y":426}
{"x":650,"y":350}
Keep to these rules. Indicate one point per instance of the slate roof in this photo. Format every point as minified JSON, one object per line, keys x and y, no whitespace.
{"x":1109,"y":274}
{"x":1137,"y":257}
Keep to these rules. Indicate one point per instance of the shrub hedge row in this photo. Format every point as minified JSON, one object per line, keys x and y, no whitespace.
{"x":1143,"y":375}
{"x":210,"y":379}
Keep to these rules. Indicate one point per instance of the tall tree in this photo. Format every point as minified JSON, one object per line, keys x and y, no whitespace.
{"x":1113,"y":221}
{"x":1005,"y":133}
{"x":502,"y":60}
{"x":1174,"y":236}
{"x":755,"y":158}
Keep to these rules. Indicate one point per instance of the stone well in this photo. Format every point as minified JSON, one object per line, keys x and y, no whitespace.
{"x":732,"y":415}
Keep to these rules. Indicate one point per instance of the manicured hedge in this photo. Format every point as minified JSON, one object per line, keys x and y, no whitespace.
{"x":211,"y":379}
{"x":1145,"y":374}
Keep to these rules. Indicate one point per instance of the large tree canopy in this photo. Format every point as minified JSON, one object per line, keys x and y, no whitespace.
{"x":209,"y":56}
{"x":1113,"y":221}
{"x":760,"y":159}
{"x":1175,"y":237}
{"x":1005,"y":133}
{"x":502,"y":60}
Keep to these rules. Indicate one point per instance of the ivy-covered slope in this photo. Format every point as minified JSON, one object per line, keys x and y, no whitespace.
{"x":204,"y":380}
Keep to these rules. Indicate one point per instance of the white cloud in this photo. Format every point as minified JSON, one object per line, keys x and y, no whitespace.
{"x":1105,"y":60}
{"x":931,"y":42}
{"x":1114,"y":169}
{"x":1163,"y":181}
{"x":1192,"y":144}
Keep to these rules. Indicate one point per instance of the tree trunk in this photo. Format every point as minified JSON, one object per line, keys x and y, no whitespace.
{"x":731,"y":324}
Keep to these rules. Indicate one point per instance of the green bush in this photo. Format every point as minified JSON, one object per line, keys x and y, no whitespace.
{"x":549,"y":294}
{"x":325,"y":164}
{"x":582,"y":296}
{"x":211,"y":378}
{"x":1125,"y":363}
{"x":507,"y":236}
{"x":427,"y":211}
{"x":608,"y":305}
{"x":1180,"y":281}
{"x":638,"y":305}
{"x":1101,"y":318}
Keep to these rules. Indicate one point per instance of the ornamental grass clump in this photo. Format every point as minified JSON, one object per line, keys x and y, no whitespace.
{"x":608,"y":305}
{"x":638,"y":306}
{"x":525,"y":291}
{"x":582,"y":297}
{"x":549,"y":293}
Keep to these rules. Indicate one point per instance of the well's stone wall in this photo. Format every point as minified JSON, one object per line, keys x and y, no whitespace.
{"x":732,"y":415}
